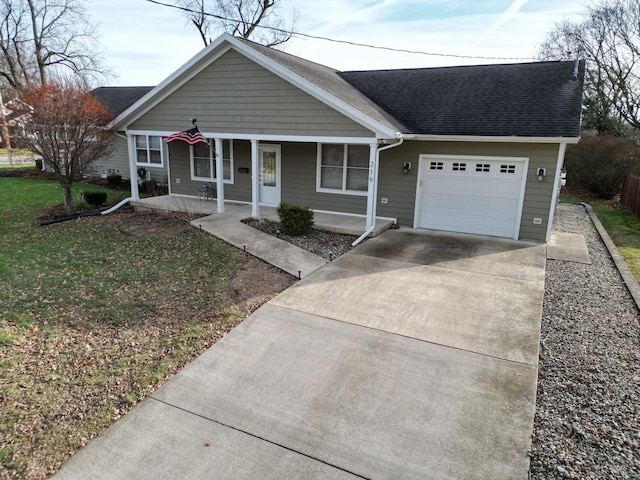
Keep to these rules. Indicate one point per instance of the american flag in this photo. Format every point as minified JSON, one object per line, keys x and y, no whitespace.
{"x":191,"y":136}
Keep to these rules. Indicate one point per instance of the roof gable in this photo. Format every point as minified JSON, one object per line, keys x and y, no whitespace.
{"x":526,"y":100}
{"x":379,"y":122}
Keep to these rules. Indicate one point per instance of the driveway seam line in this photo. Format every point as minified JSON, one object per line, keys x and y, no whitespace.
{"x":406,"y":336}
{"x":259,"y":438}
{"x":524,"y":280}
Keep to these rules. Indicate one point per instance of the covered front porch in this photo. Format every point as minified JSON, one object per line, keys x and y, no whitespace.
{"x":333,"y":222}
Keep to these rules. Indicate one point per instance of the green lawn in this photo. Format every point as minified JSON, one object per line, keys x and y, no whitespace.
{"x":624,"y":230}
{"x":95,"y":313}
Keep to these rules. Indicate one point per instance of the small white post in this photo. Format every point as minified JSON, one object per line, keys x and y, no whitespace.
{"x":255,"y":180}
{"x":219,"y":175}
{"x":372,"y":190}
{"x":133,"y":169}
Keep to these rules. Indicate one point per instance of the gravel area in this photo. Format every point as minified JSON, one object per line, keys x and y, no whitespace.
{"x":587,"y":421}
{"x":327,"y":245}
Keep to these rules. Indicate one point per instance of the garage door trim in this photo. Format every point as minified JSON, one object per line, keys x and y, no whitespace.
{"x":424,"y":160}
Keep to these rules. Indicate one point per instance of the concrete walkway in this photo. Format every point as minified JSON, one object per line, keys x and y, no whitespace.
{"x":228,"y":227}
{"x":412,"y":356}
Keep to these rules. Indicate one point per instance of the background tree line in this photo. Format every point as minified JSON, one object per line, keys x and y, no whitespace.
{"x":608,"y":37}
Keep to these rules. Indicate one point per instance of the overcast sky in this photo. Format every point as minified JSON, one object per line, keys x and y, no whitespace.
{"x":144,"y":43}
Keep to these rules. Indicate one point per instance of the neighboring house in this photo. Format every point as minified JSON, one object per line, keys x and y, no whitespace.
{"x":116,"y":100}
{"x":475,"y":149}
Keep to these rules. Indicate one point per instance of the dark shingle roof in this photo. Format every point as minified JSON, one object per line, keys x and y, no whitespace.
{"x":117,"y":99}
{"x":527,"y":99}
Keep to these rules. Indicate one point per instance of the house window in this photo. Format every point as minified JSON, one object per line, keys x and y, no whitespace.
{"x":149,"y":150}
{"x":203,"y":162}
{"x":343,"y":168}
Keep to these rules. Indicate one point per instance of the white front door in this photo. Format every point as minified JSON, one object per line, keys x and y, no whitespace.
{"x":269,"y":175}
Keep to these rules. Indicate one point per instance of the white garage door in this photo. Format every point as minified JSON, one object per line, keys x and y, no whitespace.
{"x":481,"y":195}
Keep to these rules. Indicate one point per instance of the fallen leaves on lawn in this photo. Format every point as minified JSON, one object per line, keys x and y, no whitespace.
{"x":73,"y":363}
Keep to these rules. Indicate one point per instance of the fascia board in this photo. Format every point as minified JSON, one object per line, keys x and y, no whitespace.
{"x":471,"y":138}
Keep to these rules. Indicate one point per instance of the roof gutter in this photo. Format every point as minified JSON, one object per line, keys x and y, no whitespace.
{"x":485,"y":138}
{"x":375,"y":190}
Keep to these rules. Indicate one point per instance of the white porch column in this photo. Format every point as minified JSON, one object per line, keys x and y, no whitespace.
{"x":372,"y":191}
{"x":219,"y":175}
{"x":255,"y":180}
{"x":133,"y":169}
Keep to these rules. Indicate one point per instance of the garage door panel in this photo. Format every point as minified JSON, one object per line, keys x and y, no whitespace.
{"x":482,"y":197}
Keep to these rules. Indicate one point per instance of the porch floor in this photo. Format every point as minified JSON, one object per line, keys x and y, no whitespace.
{"x":339,"y":223}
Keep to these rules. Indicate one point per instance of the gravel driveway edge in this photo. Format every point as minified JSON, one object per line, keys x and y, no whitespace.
{"x":625,"y":273}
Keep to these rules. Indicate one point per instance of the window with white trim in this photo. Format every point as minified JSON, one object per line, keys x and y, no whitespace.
{"x":149,"y":151}
{"x":203,"y":162}
{"x":343,"y":168}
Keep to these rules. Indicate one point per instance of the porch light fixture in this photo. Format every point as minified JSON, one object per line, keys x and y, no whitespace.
{"x":542,"y":172}
{"x":406,"y":166}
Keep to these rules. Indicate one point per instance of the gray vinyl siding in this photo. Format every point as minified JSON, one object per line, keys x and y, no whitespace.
{"x":236,"y":95}
{"x":118,"y":162}
{"x":180,"y":167}
{"x":400,"y":189}
{"x":298,"y":177}
{"x":299,"y":163}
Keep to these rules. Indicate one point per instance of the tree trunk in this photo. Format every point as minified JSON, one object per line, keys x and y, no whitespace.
{"x":37,"y":43}
{"x":68,"y":198}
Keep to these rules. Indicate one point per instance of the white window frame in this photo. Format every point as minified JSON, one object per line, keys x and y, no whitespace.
{"x":149,"y":150}
{"x":343,"y":190}
{"x":212,"y":167}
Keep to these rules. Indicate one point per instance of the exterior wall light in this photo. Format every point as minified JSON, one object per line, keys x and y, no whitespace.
{"x":406,"y":166}
{"x":542,"y":172}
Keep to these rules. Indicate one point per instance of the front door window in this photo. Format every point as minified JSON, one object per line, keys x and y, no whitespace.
{"x":269,"y":175}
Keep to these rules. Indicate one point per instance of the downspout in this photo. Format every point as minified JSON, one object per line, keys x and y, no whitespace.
{"x":556,"y":189}
{"x":375,"y":191}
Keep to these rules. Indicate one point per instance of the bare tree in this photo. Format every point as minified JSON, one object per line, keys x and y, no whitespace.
{"x":65,"y":125}
{"x":609,"y":38}
{"x":257,"y":20}
{"x":41,"y":38}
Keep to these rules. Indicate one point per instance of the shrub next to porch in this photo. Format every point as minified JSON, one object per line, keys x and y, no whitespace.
{"x":294,"y":219}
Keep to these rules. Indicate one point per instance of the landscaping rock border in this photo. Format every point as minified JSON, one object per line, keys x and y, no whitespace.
{"x":587,"y":421}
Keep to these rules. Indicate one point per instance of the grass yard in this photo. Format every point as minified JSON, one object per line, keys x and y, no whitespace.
{"x":624,"y":230}
{"x":21,"y":158}
{"x":95,"y":313}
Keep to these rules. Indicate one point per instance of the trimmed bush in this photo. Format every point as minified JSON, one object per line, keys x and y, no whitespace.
{"x":114,"y":179}
{"x":600,"y":164}
{"x":95,"y":198}
{"x":294,"y":219}
{"x":149,"y":187}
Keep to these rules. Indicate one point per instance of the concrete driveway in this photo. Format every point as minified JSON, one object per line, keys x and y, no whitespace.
{"x":413,"y":356}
